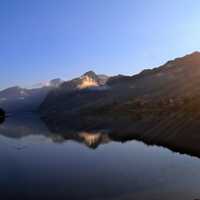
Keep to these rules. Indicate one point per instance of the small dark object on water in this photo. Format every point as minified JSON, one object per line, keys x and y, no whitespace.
{"x":2,"y":115}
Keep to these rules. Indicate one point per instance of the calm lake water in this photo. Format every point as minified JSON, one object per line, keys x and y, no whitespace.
{"x":37,"y":164}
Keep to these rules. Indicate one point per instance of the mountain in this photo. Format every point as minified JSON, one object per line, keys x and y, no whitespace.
{"x":17,"y":99}
{"x":171,"y":86}
{"x":87,"y":80}
{"x":20,"y":126}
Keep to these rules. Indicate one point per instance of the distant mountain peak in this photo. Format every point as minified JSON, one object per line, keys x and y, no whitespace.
{"x":195,"y":53}
{"x":90,"y":73}
{"x":88,"y":80}
{"x":55,"y":82}
{"x":91,"y":79}
{"x":52,"y":83}
{"x":192,"y":56}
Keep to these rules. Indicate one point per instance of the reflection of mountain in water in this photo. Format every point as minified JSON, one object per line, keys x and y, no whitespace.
{"x":178,"y":134}
{"x":26,"y":125}
{"x":92,"y":140}
{"x":23,"y":125}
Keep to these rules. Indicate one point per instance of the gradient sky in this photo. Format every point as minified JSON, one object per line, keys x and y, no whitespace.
{"x":45,"y":39}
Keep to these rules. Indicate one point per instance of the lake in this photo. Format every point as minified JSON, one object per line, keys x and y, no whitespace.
{"x":38,"y":164}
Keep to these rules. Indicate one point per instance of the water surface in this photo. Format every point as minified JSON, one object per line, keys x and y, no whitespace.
{"x":37,"y":164}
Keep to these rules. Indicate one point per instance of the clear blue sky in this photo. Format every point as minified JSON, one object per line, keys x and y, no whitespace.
{"x":45,"y":39}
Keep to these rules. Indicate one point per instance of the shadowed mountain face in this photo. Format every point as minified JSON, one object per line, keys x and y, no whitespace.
{"x":170,"y":86}
{"x":17,"y":99}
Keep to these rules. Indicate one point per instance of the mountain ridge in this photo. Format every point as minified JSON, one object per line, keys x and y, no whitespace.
{"x":168,"y":80}
{"x":21,"y":99}
{"x":174,"y":81}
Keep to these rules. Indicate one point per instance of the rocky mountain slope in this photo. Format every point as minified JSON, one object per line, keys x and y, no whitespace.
{"x":170,"y":86}
{"x":70,"y":92}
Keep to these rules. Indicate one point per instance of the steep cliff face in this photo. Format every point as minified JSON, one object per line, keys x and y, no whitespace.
{"x":168,"y":85}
